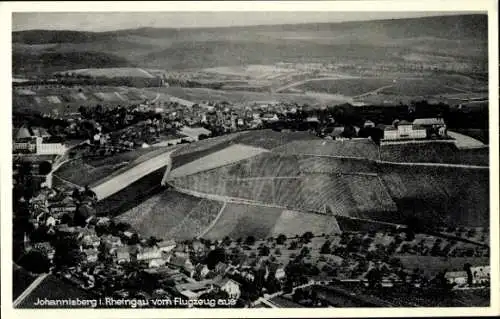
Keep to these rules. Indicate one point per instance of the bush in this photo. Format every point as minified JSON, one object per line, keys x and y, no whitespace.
{"x":250,"y":240}
{"x":307,"y":236}
{"x":325,"y":249}
{"x":35,"y":261}
{"x":264,"y":251}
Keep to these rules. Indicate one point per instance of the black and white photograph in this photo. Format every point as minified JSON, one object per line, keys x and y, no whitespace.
{"x":251,"y":159}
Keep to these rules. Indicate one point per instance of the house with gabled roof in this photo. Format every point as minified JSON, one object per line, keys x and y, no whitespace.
{"x":183,"y":263}
{"x":231,"y":287}
{"x":166,"y":245}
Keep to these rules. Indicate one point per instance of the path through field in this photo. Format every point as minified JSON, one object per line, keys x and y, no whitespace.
{"x":372,"y":92}
{"x":212,"y":224}
{"x":294,"y":84}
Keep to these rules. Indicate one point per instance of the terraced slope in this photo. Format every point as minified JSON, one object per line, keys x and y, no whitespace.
{"x":345,"y":194}
{"x":267,"y":139}
{"x":270,"y":139}
{"x":171,"y":214}
{"x":451,"y":196}
{"x":272,"y":164}
{"x":433,"y":152}
{"x":240,"y":220}
{"x":359,"y":148}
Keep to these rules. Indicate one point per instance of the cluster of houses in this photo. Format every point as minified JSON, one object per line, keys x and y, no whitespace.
{"x":36,"y":140}
{"x":478,"y":276}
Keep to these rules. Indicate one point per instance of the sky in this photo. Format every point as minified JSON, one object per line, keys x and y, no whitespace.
{"x":107,"y":21}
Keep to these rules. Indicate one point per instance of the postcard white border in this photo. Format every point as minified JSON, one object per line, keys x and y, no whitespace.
{"x":6,"y":9}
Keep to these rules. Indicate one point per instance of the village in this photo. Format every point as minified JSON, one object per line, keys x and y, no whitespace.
{"x":107,"y":258}
{"x":67,"y":238}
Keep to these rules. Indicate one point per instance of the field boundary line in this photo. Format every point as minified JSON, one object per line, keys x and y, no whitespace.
{"x":336,"y":156}
{"x":214,"y":222}
{"x":216,"y":197}
{"x":302,"y":176}
{"x":435,"y":165}
{"x":235,"y":200}
{"x":66,"y":181}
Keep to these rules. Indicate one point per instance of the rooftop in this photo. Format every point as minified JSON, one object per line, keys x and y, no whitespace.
{"x":429,"y":121}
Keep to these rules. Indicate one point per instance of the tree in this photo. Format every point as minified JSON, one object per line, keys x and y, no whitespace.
{"x":349,"y":131}
{"x":374,"y":277}
{"x":277,"y":252}
{"x":215,"y":256}
{"x":134,"y":239}
{"x":293,"y":245}
{"x":35,"y":261}
{"x":45,"y":168}
{"x":436,"y":250}
{"x":67,"y":252}
{"x":305,"y":251}
{"x":307,"y":236}
{"x":471,"y":233}
{"x":272,"y":284}
{"x":325,"y":249}
{"x":395,"y":262}
{"x":264,"y":251}
{"x":83,"y":213}
{"x":280,"y":240}
{"x":467,"y":269}
{"x":250,"y":240}
{"x":152,"y":241}
{"x":410,"y":235}
{"x":226,"y":241}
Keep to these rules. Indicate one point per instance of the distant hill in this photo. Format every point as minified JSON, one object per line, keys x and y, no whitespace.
{"x":55,"y":36}
{"x":461,"y":26}
{"x":39,"y":51}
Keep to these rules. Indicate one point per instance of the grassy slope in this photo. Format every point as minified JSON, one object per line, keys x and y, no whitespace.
{"x":160,"y":213}
{"x":172,"y":215}
{"x":238,"y":220}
